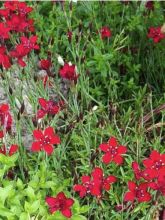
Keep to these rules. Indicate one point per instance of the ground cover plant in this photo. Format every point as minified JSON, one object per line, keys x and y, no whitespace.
{"x":82,"y":110}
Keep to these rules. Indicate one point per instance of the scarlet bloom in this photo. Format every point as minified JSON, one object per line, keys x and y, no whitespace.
{"x":159,"y":183}
{"x":113,"y":151}
{"x":69,"y":72}
{"x":156,"y":34}
{"x":138,"y":192}
{"x":19,"y":53}
{"x":47,"y":107}
{"x":69,"y":35}
{"x":5,"y":117}
{"x":4,"y":31}
{"x":17,"y":23}
{"x":154,"y":164}
{"x":61,"y":203}
{"x":45,"y":64}
{"x":30,"y":43}
{"x":13,"y":149}
{"x":105,"y":32}
{"x":23,"y":9}
{"x":45,"y":140}
{"x":4,"y":59}
{"x":94,"y":184}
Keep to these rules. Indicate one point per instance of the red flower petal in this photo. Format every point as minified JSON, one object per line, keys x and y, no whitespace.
{"x":61,"y":196}
{"x":69,"y":202}
{"x":85,"y":179}
{"x":53,"y":209}
{"x":106,"y":158}
{"x":48,"y":149}
{"x":36,"y":146}
{"x":118,"y":159}
{"x":4,"y":107}
{"x":41,"y":113}
{"x":122,"y":149}
{"x":13,"y":149}
{"x":51,"y":201}
{"x":111,"y":179}
{"x":147,"y":163}
{"x":129,"y":196}
{"x":107,"y":186}
{"x":37,"y":134}
{"x":131,"y":186}
{"x":97,"y":172}
{"x":49,"y":131}
{"x":104,"y":147}
{"x":55,"y":140}
{"x":145,"y":198}
{"x":96,"y":190}
{"x":112,"y":142}
{"x":81,"y":189}
{"x":155,"y":155}
{"x":67,"y":213}
{"x":42,"y":102}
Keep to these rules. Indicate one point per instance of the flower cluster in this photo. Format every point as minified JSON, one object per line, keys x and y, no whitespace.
{"x":97,"y":183}
{"x":156,"y":34}
{"x":94,"y":184}
{"x":14,"y":19}
{"x":47,"y":107}
{"x":153,"y":175}
{"x":12,"y":150}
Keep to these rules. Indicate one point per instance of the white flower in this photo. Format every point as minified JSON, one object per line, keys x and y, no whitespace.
{"x":95,"y":108}
{"x":60,"y":60}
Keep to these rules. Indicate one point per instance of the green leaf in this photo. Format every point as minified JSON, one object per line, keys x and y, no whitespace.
{"x":30,"y":192}
{"x":5,"y":212}
{"x":78,"y":217}
{"x":84,"y":209}
{"x":4,"y":192}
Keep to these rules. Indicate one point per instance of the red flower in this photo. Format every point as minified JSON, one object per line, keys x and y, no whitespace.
{"x":31,"y":25}
{"x":138,"y":192}
{"x":23,"y":9}
{"x":156,"y":34}
{"x":154,"y":164}
{"x":159,"y":184}
{"x":4,"y":31}
{"x":5,"y":116}
{"x":47,"y":107}
{"x":17,"y":23}
{"x":105,"y":32}
{"x":4,"y":59}
{"x":19,"y":53}
{"x":95,"y":184}
{"x":30,"y":43}
{"x":4,"y":13}
{"x":45,"y":140}
{"x":137,"y":171}
{"x":13,"y":149}
{"x":69,"y":72}
{"x":12,"y":5}
{"x":45,"y":64}
{"x":61,"y":203}
{"x":69,"y":35}
{"x":150,"y":5}
{"x":113,"y":151}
